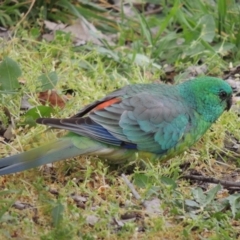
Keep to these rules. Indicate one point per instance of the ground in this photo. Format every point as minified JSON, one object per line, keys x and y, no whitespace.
{"x":84,"y":197}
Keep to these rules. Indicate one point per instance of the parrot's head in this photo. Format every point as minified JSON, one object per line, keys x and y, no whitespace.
{"x":209,"y":96}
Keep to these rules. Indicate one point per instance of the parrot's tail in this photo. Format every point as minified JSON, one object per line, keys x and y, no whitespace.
{"x":55,"y":151}
{"x":70,"y":146}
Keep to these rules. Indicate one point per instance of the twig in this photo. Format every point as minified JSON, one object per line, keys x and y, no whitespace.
{"x":131,"y":187}
{"x":213,"y":180}
{"x":133,"y":190}
{"x":154,"y":11}
{"x":28,"y":11}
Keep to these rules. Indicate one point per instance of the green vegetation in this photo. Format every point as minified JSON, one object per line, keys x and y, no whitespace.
{"x":84,"y":198}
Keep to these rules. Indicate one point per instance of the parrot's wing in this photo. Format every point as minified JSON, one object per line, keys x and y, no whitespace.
{"x":153,"y":123}
{"x":111,"y":98}
{"x":144,"y":122}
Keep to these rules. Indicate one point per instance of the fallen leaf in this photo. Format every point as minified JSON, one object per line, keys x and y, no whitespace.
{"x":54,"y":26}
{"x":170,"y":73}
{"x":5,"y":34}
{"x":103,"y":188}
{"x":232,"y":72}
{"x":20,"y":205}
{"x":8,"y":133}
{"x":54,"y":191}
{"x":7,"y":125}
{"x":235,"y":84}
{"x":25,"y":105}
{"x":92,"y":220}
{"x":78,"y":198}
{"x":81,"y":30}
{"x":152,"y":207}
{"x":129,"y":215}
{"x":52,"y":98}
{"x":191,"y":72}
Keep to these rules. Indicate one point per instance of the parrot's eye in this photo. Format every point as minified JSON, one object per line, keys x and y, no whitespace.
{"x":222,"y":94}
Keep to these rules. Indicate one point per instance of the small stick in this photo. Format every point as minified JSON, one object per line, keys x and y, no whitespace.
{"x":133,"y":190}
{"x":213,"y":180}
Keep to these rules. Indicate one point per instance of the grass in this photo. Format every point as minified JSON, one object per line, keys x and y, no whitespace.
{"x":84,"y":198}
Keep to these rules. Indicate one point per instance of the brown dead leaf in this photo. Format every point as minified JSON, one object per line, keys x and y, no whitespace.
{"x":52,"y":98}
{"x":103,"y":188}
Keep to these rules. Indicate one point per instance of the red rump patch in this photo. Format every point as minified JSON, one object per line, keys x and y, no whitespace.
{"x":107,"y":103}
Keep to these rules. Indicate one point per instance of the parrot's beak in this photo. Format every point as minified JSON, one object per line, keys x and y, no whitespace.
{"x":229,"y":103}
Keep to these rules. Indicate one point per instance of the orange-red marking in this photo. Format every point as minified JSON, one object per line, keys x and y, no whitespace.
{"x":107,"y":103}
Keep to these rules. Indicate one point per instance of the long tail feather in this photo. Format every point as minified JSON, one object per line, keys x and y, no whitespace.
{"x":58,"y":150}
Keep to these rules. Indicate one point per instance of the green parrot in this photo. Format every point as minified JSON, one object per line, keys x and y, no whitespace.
{"x":136,"y":121}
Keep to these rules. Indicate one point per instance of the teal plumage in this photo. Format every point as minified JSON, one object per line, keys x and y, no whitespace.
{"x":141,"y":120}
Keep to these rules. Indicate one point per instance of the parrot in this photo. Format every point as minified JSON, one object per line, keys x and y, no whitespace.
{"x":151,"y":120}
